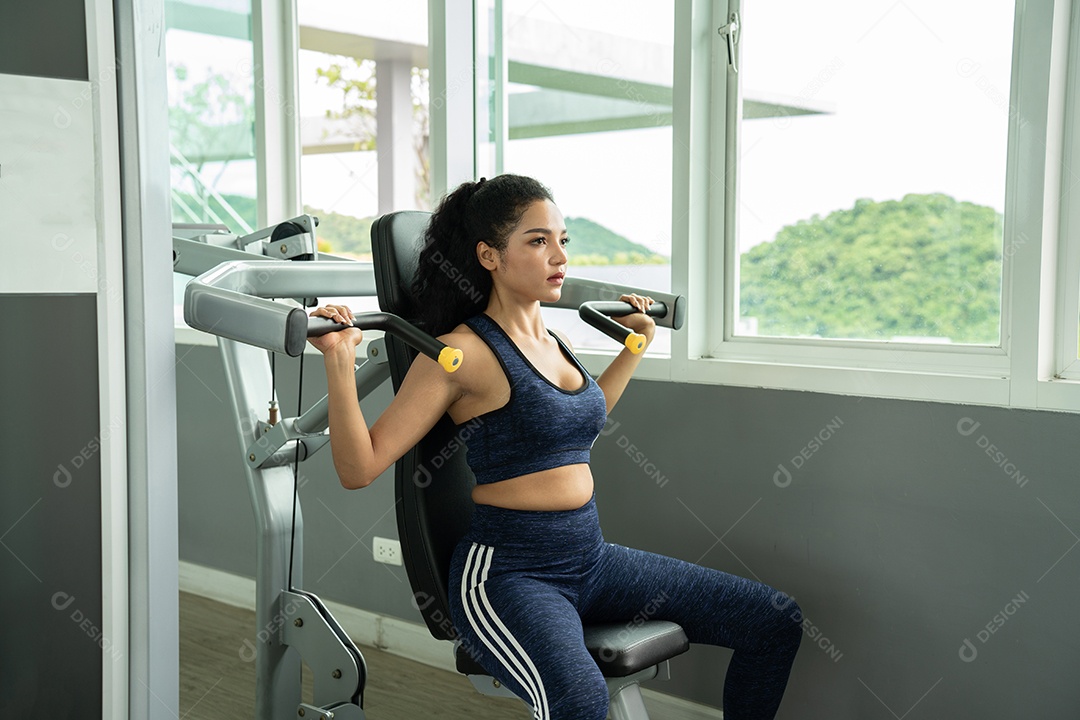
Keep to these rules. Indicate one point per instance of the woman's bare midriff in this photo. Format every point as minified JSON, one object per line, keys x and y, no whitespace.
{"x":562,"y":488}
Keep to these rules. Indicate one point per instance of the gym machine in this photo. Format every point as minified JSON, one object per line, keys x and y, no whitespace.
{"x":232,"y":297}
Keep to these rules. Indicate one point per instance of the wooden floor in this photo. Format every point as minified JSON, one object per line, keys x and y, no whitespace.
{"x":216,"y":681}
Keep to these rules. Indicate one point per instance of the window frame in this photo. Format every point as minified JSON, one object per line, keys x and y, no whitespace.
{"x":275,"y":44}
{"x":1033,"y":367}
{"x":1003,"y":375}
{"x":492,"y":134}
{"x":705,"y":351}
{"x":1068,"y":277}
{"x":899,"y":368}
{"x":1058,"y":373}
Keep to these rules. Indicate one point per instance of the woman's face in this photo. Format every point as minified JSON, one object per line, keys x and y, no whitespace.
{"x":535,"y":252}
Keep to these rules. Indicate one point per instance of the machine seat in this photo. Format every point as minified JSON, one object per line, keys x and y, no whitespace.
{"x":618,"y":649}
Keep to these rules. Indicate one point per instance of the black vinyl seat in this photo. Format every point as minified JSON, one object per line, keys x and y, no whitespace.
{"x":433,"y":488}
{"x":618,"y":650}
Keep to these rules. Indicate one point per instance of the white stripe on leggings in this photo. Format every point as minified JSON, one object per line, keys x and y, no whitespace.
{"x":470,"y":579}
{"x":478,"y":609}
{"x":541,"y":709}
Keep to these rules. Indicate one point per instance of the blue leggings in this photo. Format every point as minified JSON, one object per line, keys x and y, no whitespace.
{"x":522,"y":583}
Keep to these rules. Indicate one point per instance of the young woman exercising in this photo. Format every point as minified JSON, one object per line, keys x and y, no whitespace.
{"x":534,"y":564}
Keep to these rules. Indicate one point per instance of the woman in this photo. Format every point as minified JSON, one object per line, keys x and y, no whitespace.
{"x":534,"y":564}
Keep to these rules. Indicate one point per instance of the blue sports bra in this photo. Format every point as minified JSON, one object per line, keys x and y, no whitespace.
{"x":541,"y":426}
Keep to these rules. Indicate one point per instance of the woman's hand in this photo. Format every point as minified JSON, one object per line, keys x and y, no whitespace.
{"x":639,"y":322}
{"x":346,"y":339}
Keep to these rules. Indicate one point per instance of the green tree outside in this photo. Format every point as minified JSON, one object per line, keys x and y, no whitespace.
{"x":212,"y":121}
{"x":924,"y":266}
{"x":359,"y":94}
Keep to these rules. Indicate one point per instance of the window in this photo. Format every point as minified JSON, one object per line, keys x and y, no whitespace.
{"x":1066,"y":331}
{"x":211,"y":112}
{"x":580,"y":97}
{"x":211,"y":87}
{"x":864,"y":208}
{"x":871,"y":171}
{"x":363,"y":81}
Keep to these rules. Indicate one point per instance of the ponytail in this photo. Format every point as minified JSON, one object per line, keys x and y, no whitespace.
{"x":451,"y":285}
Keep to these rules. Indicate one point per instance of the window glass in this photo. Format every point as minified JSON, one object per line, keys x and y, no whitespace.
{"x":871,"y":170}
{"x":211,"y":112}
{"x":588,"y":113}
{"x":211,"y":91}
{"x":346,"y":52}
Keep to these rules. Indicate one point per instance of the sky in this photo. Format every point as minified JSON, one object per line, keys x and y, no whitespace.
{"x":916,"y":93}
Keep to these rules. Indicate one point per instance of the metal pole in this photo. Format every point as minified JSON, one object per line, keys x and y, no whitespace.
{"x":277,"y":671}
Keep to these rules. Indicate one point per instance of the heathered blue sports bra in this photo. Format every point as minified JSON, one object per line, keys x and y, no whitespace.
{"x":542,"y":426}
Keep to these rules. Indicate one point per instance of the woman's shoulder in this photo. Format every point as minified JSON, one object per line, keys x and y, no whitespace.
{"x":478,"y":365}
{"x":463,"y":339}
{"x":462,"y":334}
{"x":471,"y":345}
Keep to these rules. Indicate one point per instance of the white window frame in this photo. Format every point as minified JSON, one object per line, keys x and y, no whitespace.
{"x":452,"y":89}
{"x":118,"y":624}
{"x":979,"y":375}
{"x":275,"y":43}
{"x":488,"y":154}
{"x":1033,"y":367}
{"x":975,"y":373}
{"x":1057,"y":385}
{"x":705,"y":351}
{"x":1067,"y":365}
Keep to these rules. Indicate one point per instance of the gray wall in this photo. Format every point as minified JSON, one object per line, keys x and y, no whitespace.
{"x":899,"y":535}
{"x":44,"y":38}
{"x":51,"y":644}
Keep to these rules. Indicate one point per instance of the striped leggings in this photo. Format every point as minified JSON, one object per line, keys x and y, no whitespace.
{"x":522,"y":583}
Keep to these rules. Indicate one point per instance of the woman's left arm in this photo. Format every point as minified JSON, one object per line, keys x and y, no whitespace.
{"x":617,"y":375}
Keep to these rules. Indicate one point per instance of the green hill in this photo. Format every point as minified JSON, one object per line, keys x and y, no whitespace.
{"x":926,"y":266}
{"x":594,"y":244}
{"x":591,"y":243}
{"x":923,"y":266}
{"x":343,"y":234}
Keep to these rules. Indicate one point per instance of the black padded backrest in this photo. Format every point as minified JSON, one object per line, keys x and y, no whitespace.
{"x":433,"y":484}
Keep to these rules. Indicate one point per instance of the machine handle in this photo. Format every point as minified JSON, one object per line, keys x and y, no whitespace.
{"x":450,"y":358}
{"x":598,"y":313}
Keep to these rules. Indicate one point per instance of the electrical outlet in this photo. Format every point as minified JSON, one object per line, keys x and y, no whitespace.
{"x":387,"y":551}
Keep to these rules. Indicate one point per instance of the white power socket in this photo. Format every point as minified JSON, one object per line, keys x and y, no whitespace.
{"x":387,"y":551}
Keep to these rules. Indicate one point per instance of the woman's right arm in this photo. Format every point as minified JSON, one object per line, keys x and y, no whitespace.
{"x":350,"y":440}
{"x":361,"y":455}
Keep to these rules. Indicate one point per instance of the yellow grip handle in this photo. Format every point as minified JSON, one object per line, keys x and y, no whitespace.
{"x":450,"y":358}
{"x":635,"y":342}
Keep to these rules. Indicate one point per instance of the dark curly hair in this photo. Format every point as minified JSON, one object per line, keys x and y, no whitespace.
{"x":450,"y":284}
